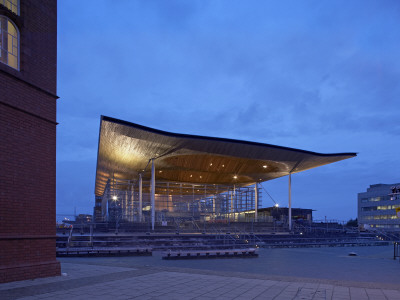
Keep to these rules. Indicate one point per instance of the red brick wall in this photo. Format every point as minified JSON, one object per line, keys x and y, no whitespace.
{"x":37,"y":24}
{"x":28,"y":147}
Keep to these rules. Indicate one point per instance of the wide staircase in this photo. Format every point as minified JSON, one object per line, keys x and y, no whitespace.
{"x":189,"y":236}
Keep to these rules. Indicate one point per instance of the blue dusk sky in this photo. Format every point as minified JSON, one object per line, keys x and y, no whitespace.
{"x":322,"y":76}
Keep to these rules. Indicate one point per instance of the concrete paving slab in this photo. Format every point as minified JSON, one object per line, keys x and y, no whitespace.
{"x":86,"y":281}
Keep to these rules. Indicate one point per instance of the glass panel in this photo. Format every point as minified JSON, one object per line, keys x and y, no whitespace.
{"x":11,"y":5}
{"x":9,"y":43}
{"x":8,"y":5}
{"x":12,"y":61}
{"x":11,"y":29}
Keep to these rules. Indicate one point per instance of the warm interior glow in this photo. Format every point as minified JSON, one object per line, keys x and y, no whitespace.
{"x":8,"y":43}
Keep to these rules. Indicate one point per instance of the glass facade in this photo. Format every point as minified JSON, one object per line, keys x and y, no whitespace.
{"x":129,"y":201}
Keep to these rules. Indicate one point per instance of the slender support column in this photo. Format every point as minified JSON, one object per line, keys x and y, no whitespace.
{"x":153,"y":192}
{"x":205,"y":198}
{"x":140,"y":198}
{"x":193,"y":200}
{"x":234,"y":199}
{"x":131,"y":203}
{"x":214,"y":207}
{"x":217,"y":204}
{"x":290,"y":201}
{"x":231,"y":204}
{"x":168,"y":208}
{"x":256,"y":202}
{"x":126,"y":207}
{"x":234,"y":203}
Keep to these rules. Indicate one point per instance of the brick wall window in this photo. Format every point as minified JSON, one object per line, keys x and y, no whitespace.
{"x":12,"y":5}
{"x":9,"y":43}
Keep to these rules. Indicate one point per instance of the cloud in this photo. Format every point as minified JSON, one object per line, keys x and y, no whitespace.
{"x":319,"y":76}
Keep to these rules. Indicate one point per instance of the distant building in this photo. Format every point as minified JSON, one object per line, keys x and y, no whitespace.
{"x":97,"y":213}
{"x":28,"y":83}
{"x":83,"y":218}
{"x":282,"y":213}
{"x":377,"y":207}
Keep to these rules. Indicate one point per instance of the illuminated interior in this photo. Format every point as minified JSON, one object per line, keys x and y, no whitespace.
{"x":9,"y":41}
{"x":196,"y":177}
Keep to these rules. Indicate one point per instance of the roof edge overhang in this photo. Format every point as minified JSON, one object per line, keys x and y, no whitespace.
{"x":199,"y":137}
{"x":294,"y":160}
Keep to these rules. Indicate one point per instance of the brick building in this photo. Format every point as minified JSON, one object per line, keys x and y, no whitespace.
{"x":28,"y":65}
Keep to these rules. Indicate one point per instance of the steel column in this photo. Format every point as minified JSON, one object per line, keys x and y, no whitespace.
{"x":290,"y":201}
{"x":153,"y":192}
{"x":125,"y":213}
{"x":131,"y":203}
{"x":256,"y":202}
{"x":140,"y":198}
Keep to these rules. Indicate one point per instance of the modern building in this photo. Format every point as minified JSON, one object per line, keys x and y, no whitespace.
{"x":377,"y":207}
{"x":148,"y":175}
{"x":303,"y":215}
{"x":28,"y":66}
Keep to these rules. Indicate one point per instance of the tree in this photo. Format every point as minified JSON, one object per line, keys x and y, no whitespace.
{"x":352,"y":223}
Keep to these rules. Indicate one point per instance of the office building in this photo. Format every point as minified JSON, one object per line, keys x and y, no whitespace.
{"x":377,"y":207}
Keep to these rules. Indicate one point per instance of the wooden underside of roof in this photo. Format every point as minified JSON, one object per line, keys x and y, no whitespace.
{"x":125,"y":150}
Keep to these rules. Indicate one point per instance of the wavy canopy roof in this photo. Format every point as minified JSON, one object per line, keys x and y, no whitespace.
{"x":125,"y":149}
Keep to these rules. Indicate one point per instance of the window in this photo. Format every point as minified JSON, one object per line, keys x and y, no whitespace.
{"x":9,"y":43}
{"x":385,"y":217}
{"x":11,"y":5}
{"x":369,"y":208}
{"x":373,"y":199}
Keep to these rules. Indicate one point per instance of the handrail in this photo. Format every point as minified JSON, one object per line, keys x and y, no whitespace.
{"x":390,"y":236}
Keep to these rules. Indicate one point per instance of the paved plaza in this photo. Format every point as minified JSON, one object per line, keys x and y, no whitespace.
{"x":92,"y":281}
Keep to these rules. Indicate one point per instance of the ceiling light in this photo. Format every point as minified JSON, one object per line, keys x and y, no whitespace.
{"x":264,"y":166}
{"x":235,"y":177}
